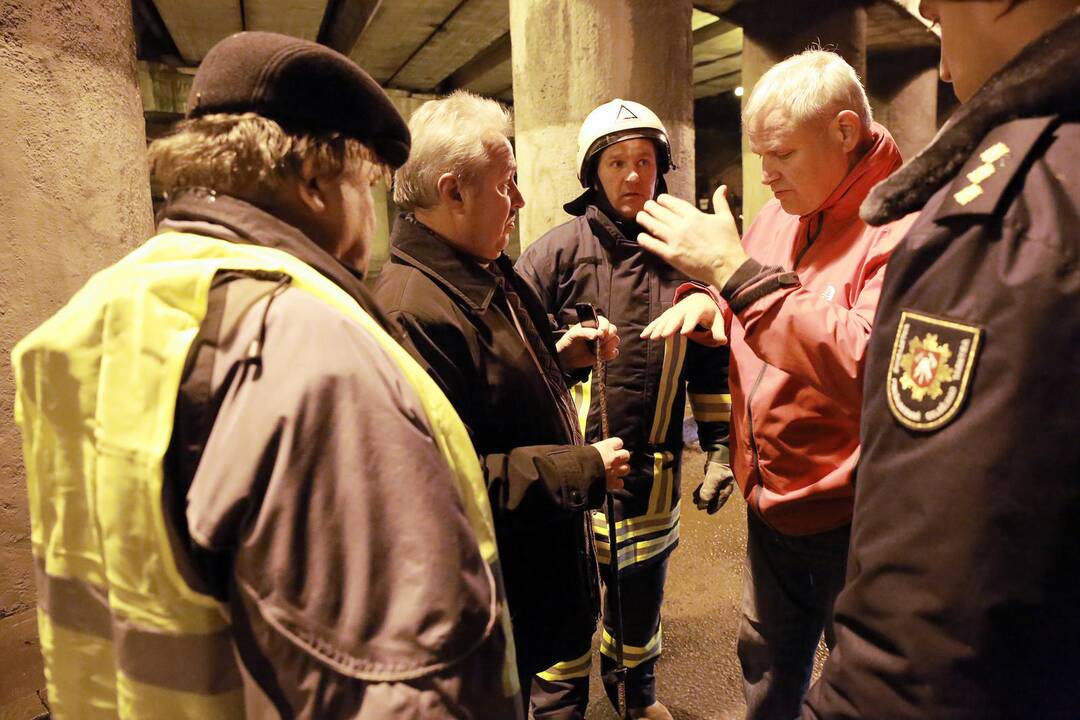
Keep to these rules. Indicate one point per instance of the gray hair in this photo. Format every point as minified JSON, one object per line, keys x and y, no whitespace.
{"x":449,"y":135}
{"x":806,"y":87}
{"x":249,"y":155}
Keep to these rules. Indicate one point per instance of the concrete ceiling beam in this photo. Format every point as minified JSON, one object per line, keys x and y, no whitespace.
{"x":345,"y":21}
{"x":299,"y":18}
{"x":396,"y":30}
{"x":719,"y":84}
{"x":197,"y":26}
{"x":713,"y":30}
{"x":717,"y":68}
{"x":487,"y":73}
{"x":472,"y":24}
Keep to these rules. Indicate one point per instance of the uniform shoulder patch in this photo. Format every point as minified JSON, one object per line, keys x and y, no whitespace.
{"x":930,"y":369}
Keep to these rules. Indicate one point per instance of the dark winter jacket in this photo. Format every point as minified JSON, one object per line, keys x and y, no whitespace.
{"x":514,"y":401}
{"x":964,"y":573}
{"x":590,"y":260}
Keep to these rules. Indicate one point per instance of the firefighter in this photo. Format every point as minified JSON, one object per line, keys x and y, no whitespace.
{"x":235,"y":472}
{"x":623,"y":155}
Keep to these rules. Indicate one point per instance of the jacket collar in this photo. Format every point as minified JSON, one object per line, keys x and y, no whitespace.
{"x":1044,"y":79}
{"x":880,"y":161}
{"x":413,"y":243}
{"x":606,"y":231}
{"x":229,"y":218}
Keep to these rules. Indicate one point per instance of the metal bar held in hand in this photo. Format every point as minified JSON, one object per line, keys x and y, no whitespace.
{"x":587,"y":317}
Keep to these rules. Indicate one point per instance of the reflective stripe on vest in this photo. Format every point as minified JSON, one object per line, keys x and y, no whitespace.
{"x":121,"y":631}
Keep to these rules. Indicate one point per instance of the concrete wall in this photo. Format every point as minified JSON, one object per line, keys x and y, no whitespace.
{"x":75,"y":198}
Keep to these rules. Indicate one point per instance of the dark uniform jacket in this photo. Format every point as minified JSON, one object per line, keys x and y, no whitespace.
{"x":512,"y":397}
{"x":590,"y":260}
{"x":303,"y":488}
{"x":963,"y":592}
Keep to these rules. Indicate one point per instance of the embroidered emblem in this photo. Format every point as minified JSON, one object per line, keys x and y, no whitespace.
{"x":979,"y":175}
{"x":930,"y":369}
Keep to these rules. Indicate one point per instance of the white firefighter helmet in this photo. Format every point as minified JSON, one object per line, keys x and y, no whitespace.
{"x":614,"y":122}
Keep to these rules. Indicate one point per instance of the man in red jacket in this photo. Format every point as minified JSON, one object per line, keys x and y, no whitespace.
{"x":796,"y":298}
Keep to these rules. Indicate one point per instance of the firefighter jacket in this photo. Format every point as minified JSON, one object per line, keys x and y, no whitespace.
{"x":487,"y":342}
{"x":798,"y":318}
{"x":218,"y":439}
{"x":964,"y":572}
{"x":589,"y":260}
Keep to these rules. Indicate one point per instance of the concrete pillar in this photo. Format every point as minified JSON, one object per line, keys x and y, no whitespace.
{"x":75,"y":198}
{"x":777,"y":29}
{"x":569,"y":57}
{"x":903,"y":89}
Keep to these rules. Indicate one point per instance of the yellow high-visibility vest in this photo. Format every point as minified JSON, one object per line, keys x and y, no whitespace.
{"x":122,"y":633}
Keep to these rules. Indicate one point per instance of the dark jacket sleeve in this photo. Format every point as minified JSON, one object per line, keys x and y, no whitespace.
{"x":539,"y":266}
{"x":530,"y":481}
{"x":321,"y":479}
{"x":707,"y":389}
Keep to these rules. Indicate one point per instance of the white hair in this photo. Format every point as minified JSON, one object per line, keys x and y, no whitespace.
{"x":805,"y":87}
{"x":449,"y":135}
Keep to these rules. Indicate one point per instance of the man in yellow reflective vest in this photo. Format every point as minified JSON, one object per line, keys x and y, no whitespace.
{"x":247,"y":500}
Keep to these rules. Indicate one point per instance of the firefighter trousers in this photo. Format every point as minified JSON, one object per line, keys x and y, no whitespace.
{"x":562,"y":691}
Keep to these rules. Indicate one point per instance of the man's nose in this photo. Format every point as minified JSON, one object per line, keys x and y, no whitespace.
{"x":517,"y":200}
{"x":768,"y":176}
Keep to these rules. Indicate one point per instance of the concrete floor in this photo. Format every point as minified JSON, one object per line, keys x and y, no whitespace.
{"x":698,"y":676}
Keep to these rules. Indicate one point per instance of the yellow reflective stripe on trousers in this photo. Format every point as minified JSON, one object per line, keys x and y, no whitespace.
{"x":638,"y":551}
{"x":569,"y":669}
{"x":635,"y":527}
{"x":674,"y":356}
{"x":582,"y":397}
{"x":711,"y":407}
{"x":633,"y":655}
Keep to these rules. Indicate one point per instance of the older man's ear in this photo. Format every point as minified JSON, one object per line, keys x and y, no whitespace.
{"x":450,"y":191}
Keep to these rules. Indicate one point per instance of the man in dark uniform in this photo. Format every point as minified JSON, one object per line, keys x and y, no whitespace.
{"x":963,"y":582}
{"x":623,"y":154}
{"x":963,"y":592}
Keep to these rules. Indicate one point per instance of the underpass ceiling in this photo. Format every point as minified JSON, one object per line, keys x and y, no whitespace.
{"x":432,"y":46}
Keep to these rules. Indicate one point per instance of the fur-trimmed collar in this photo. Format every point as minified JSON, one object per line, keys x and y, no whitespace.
{"x":1044,"y":79}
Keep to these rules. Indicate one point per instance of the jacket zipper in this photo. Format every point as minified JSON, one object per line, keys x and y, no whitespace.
{"x":810,"y":238}
{"x":750,"y":423}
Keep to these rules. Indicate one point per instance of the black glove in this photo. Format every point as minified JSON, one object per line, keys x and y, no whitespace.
{"x":719,"y":482}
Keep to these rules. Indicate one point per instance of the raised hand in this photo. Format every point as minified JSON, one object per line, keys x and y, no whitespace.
{"x":704,"y":246}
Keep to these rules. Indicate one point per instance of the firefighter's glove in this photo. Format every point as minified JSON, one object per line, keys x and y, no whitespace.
{"x":718,"y":484}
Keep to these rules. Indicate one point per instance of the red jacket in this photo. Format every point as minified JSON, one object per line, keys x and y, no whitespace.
{"x":798,"y":318}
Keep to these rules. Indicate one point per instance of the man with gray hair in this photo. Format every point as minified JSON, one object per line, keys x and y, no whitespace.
{"x":795,"y":300}
{"x":487,"y":341}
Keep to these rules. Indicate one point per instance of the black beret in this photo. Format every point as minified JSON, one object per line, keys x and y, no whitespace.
{"x":303,"y":86}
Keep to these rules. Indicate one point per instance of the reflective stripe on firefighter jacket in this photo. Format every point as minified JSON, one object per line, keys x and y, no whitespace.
{"x":589,"y":259}
{"x":97,"y":386}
